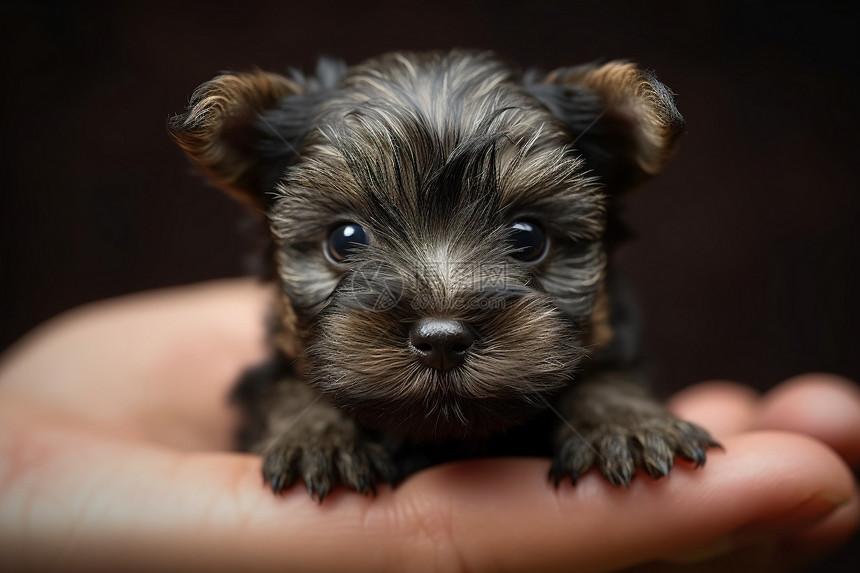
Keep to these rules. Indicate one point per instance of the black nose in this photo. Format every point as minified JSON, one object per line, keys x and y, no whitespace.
{"x":441,"y":343}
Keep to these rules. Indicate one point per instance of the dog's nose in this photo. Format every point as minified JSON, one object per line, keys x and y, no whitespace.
{"x":441,"y":343}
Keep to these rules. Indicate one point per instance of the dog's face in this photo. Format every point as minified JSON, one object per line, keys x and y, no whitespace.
{"x":438,"y":222}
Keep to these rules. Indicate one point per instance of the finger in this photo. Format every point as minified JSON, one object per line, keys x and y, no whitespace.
{"x":161,"y":362}
{"x":723,"y":408}
{"x":824,"y":406}
{"x":763,"y":482}
{"x":211,"y":511}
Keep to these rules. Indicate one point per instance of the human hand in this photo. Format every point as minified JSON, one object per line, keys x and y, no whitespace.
{"x":114,"y":439}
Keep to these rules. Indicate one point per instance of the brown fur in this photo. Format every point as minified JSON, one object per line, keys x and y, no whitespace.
{"x":213,"y":131}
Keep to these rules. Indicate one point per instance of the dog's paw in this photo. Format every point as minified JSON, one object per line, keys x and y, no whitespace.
{"x":325,"y":460}
{"x":619,"y":449}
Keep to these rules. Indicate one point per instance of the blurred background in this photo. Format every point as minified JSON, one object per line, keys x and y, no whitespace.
{"x":746,"y":258}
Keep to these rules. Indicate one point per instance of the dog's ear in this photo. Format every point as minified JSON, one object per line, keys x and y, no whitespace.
{"x":621,"y":119}
{"x":225,"y":131}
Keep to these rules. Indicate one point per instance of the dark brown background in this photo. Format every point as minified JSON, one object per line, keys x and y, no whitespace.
{"x":747,"y":259}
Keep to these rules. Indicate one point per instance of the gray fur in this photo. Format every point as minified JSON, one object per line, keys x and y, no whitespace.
{"x":435,"y":155}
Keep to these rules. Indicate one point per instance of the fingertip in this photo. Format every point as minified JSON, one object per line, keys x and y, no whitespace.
{"x":785,"y":488}
{"x":801,"y":462}
{"x":824,"y":406}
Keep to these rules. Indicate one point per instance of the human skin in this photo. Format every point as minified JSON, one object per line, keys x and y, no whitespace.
{"x":115,"y":440}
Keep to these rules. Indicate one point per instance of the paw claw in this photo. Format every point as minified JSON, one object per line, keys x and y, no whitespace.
{"x":278,"y":473}
{"x":657,"y":468}
{"x":619,"y":477}
{"x":649,"y":443}
{"x":324,"y":461}
{"x":321,"y":492}
{"x":275,"y":483}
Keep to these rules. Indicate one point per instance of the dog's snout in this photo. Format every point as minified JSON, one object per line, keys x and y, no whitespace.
{"x":441,"y":343}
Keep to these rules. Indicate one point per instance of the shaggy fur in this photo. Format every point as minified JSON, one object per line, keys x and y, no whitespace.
{"x":436,"y":156}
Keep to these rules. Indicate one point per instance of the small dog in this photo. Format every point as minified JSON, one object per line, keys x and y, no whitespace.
{"x":439,"y":234}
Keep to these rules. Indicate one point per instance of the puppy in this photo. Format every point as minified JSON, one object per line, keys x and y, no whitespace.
{"x":438,"y":225}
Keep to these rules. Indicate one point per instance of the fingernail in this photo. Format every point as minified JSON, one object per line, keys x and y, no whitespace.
{"x":802,"y":515}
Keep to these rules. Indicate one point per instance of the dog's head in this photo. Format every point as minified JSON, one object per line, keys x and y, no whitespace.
{"x":438,"y":221}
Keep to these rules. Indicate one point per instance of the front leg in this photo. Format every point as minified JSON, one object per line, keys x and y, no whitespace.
{"x":615,"y":424}
{"x":301,"y":435}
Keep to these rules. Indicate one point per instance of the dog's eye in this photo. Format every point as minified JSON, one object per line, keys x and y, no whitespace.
{"x":345,"y":240}
{"x":529,"y":241}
